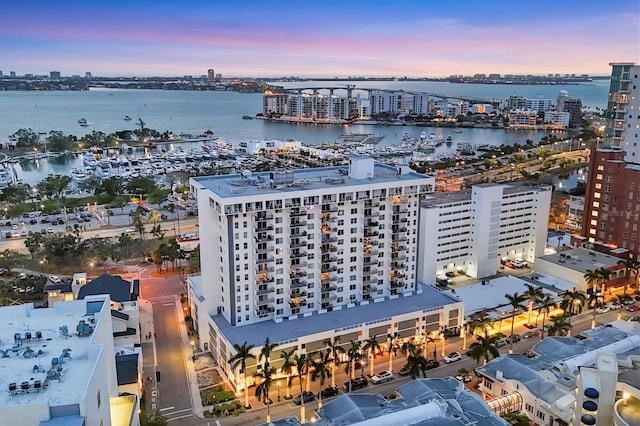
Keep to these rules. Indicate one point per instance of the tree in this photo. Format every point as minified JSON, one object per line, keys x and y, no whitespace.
{"x":416,"y":362}
{"x":125,"y":242}
{"x":141,"y":186}
{"x":594,"y":300}
{"x":484,"y":348}
{"x":53,"y":185}
{"x":631,"y":267}
{"x":158,"y":232}
{"x":171,"y":208}
{"x":621,"y":299}
{"x":301,"y":367}
{"x":516,"y":419}
{"x":64,"y":247}
{"x":334,"y":348}
{"x":33,"y":243}
{"x":354,"y":354}
{"x":154,"y":419}
{"x":16,"y":193}
{"x":265,"y":352}
{"x":158,"y":256}
{"x":515,"y":300}
{"x":194,"y":260}
{"x":372,"y":346}
{"x":154,"y":217}
{"x":572,"y":302}
{"x":26,"y":138}
{"x":546,"y":305}
{"x":59,"y":142}
{"x":482,"y":322}
{"x":320,"y":370}
{"x":534,"y":294}
{"x":243,"y":353}
{"x":559,"y":326}
{"x":310,"y":359}
{"x":262,"y":390}
{"x":113,"y":187}
{"x":138,"y":222}
{"x":287,"y":366}
{"x":392,"y":348}
{"x":9,"y":259}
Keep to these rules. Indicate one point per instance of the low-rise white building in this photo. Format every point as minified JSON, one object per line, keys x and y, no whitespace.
{"x":472,"y":230}
{"x":551,"y":385}
{"x":557,"y":118}
{"x":59,"y":366}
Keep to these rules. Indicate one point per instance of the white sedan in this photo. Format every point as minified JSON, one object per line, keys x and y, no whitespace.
{"x":603,"y":309}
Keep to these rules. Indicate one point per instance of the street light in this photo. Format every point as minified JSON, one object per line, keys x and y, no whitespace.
{"x":278,"y":391}
{"x":42,"y":266}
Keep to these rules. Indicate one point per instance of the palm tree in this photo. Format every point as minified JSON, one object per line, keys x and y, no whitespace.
{"x":427,"y":340}
{"x":572,"y":302}
{"x":546,"y":307}
{"x":321,"y":371}
{"x":334,"y":348}
{"x":593,"y":302}
{"x":621,"y":299}
{"x":559,"y":326}
{"x":630,"y":267}
{"x":534,"y":294}
{"x":392,"y":348}
{"x":484,"y":348}
{"x":310,"y":357}
{"x":301,"y":367}
{"x":592,"y":277}
{"x":354,"y":354}
{"x":416,"y":362}
{"x":154,"y":217}
{"x":265,"y":352}
{"x":262,"y":390}
{"x":483,"y":322}
{"x":287,"y":368}
{"x":243,"y":353}
{"x":125,"y":242}
{"x":372,"y":346}
{"x":515,"y":300}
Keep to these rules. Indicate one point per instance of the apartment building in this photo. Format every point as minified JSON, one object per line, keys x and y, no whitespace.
{"x":473,"y":229}
{"x":59,"y":366}
{"x":538,"y":104}
{"x":523,"y":119}
{"x":623,"y":114}
{"x":612,"y":200}
{"x":312,"y":254}
{"x":274,"y":103}
{"x":384,"y":102}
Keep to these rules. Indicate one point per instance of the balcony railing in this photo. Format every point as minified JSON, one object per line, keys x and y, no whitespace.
{"x":298,"y":294}
{"x":262,"y":227}
{"x":369,"y":214}
{"x":298,"y":233}
{"x":399,"y":238}
{"x":298,"y":263}
{"x":325,"y":288}
{"x":263,"y":268}
{"x":328,"y":280}
{"x":298,"y":284}
{"x":369,"y":261}
{"x":264,"y":312}
{"x":399,"y":230}
{"x":264,"y":301}
{"x":297,"y":274}
{"x":265,"y":259}
{"x":328,"y":240}
{"x":328,"y":268}
{"x":328,"y":296}
{"x":298,"y":244}
{"x":265,"y":290}
{"x":369,"y":281}
{"x":326,"y":259}
{"x":371,"y":224}
{"x":265,"y":239}
{"x":264,"y":216}
{"x":298,"y":254}
{"x":267,"y":280}
{"x":298,"y":223}
{"x":368,"y":234}
{"x":369,"y":289}
{"x":267,"y":249}
{"x":398,"y":257}
{"x":397,"y":284}
{"x":297,"y":212}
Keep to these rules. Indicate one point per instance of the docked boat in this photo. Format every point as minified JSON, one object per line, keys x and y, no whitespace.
{"x":247,"y":117}
{"x":83,"y":122}
{"x":465,"y":149}
{"x":127,"y":118}
{"x":89,"y":161}
{"x":79,"y":175}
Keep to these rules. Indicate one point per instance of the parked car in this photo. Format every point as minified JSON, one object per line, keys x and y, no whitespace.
{"x":3,"y":271}
{"x":633,"y":308}
{"x":54,"y":279}
{"x":614,"y":305}
{"x":33,"y":221}
{"x":60,"y":222}
{"x":49,"y":230}
{"x":7,"y":234}
{"x":602,"y":309}
{"x":329,"y":392}
{"x":381,"y":377}
{"x":464,"y":378}
{"x":308,"y":397}
{"x":516,"y":338}
{"x":501,"y":343}
{"x":632,"y":319}
{"x":356,"y":383}
{"x":452,"y":357}
{"x":22,"y":276}
{"x":431,"y":364}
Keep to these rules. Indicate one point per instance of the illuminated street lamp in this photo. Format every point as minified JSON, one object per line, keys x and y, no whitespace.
{"x":278,"y":390}
{"x":42,"y":266}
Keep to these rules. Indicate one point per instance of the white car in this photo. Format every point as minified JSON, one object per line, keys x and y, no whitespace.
{"x":383,"y":376}
{"x":130,"y":231}
{"x":452,"y":357}
{"x":603,"y":309}
{"x":55,"y":279}
{"x":614,"y":306}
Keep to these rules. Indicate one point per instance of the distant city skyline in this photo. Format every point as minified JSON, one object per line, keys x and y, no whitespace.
{"x":349,"y":38}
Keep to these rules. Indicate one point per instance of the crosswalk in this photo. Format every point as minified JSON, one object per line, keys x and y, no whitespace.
{"x":172,"y":414}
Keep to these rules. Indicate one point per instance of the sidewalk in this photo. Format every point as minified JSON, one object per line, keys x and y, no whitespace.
{"x":149,"y":361}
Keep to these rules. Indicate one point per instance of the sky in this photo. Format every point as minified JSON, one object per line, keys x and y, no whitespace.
{"x":322,"y":38}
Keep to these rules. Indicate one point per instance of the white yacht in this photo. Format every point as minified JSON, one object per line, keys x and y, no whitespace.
{"x":79,"y":175}
{"x":89,"y":160}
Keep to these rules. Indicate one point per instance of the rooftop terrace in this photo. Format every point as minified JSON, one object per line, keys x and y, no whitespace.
{"x":580,"y":259}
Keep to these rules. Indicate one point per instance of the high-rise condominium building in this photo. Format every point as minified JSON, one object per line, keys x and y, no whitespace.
{"x":313,"y":254}
{"x":612,"y":200}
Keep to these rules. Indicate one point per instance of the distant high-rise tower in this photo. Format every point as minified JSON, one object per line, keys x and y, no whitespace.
{"x":12,"y":73}
{"x":54,"y":74}
{"x":211,"y":74}
{"x":622,"y":123}
{"x":0,"y":73}
{"x":88,"y":75}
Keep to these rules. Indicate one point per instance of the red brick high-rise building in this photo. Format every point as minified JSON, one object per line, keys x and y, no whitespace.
{"x":612,"y":202}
